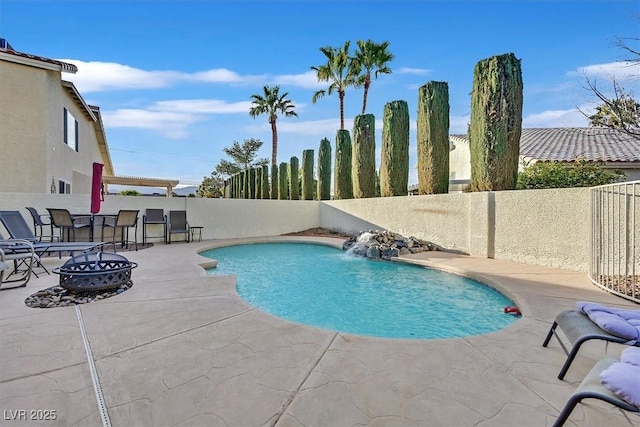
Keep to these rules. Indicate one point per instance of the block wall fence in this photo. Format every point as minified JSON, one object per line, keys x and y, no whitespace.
{"x":542,"y":227}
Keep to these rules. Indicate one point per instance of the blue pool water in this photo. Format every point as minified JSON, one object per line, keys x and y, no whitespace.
{"x":324,"y":287}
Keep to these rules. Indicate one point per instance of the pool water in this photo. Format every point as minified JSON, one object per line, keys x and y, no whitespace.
{"x":325,"y":287}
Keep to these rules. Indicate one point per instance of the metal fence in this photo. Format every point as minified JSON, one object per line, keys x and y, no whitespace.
{"x":614,"y":263}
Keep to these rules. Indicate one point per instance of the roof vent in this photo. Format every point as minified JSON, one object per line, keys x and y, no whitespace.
{"x":4,"y":44}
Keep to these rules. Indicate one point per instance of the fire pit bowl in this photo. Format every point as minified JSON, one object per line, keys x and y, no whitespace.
{"x":95,"y":271}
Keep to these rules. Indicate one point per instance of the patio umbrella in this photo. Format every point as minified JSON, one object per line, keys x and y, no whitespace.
{"x":96,"y":187}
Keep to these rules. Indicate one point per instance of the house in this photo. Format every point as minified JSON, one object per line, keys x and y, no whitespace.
{"x":616,"y":149}
{"x":49,"y":136}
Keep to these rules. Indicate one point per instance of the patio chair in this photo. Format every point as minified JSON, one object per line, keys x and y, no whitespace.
{"x":125,"y":220}
{"x":22,"y":255}
{"x":39,"y":223}
{"x":62,"y":219}
{"x":154,"y":216}
{"x":178,"y":224}
{"x":600,"y":382}
{"x":578,"y":328}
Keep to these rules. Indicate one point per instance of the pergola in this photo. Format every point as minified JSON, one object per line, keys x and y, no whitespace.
{"x":169,"y":184}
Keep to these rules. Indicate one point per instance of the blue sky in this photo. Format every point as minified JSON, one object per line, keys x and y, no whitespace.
{"x":173,"y":79}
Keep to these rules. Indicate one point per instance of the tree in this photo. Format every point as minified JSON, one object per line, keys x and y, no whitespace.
{"x":495,"y":123}
{"x":394,"y":165}
{"x":338,"y":72}
{"x":211,"y":186}
{"x":370,"y":57}
{"x":363,"y":157}
{"x":433,"y":138}
{"x":270,"y":102}
{"x":243,"y":157}
{"x":618,"y":109}
{"x":620,"y":112}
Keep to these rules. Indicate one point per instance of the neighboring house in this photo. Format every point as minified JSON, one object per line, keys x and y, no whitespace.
{"x":49,"y":136}
{"x":616,"y":149}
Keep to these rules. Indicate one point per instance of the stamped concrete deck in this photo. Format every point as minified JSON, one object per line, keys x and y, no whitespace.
{"x":181,"y":348}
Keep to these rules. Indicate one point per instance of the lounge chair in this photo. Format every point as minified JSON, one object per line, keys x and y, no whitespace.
{"x":178,"y":224}
{"x":22,"y":255}
{"x":600,"y":382}
{"x":578,"y":327}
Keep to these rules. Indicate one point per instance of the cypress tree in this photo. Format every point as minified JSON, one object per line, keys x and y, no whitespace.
{"x":394,"y":165}
{"x":245,"y":184}
{"x":283,"y":182}
{"x":343,"y":185}
{"x":258,"y":183}
{"x":364,"y":156}
{"x":264,"y":190}
{"x":433,"y":138}
{"x":274,"y":182}
{"x":496,"y":123}
{"x":307,"y":174}
{"x":294,"y":184}
{"x":252,"y":183}
{"x":235,"y":186}
{"x":324,"y":170}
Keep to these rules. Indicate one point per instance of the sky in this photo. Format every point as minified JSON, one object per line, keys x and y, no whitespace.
{"x":174,"y":79}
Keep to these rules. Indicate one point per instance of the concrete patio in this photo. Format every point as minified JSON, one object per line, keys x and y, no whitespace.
{"x":182,"y":348}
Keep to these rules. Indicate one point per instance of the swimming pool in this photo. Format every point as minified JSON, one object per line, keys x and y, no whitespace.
{"x":324,"y":287}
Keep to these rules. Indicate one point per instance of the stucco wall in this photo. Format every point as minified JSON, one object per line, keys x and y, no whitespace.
{"x":221,"y":218}
{"x":546,"y":227}
{"x":543,"y":227}
{"x":23,"y":100}
{"x":32,"y":148}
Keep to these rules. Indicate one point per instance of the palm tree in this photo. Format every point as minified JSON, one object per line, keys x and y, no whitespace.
{"x":270,"y":102}
{"x":338,"y":71}
{"x":370,"y":57}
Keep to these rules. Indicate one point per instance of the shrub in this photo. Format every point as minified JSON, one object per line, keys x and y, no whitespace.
{"x":581,"y":173}
{"x":129,"y":193}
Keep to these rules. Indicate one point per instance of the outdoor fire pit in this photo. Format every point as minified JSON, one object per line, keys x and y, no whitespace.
{"x":95,"y":271}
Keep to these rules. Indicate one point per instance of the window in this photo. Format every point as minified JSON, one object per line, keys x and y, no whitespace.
{"x":70,"y":130}
{"x":64,"y":187}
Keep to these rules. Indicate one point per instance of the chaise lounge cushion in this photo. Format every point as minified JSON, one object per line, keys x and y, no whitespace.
{"x":619,"y":322}
{"x":623,"y":378}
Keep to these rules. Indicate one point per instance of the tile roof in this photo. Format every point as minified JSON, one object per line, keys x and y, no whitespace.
{"x":64,"y":66}
{"x":567,"y":144}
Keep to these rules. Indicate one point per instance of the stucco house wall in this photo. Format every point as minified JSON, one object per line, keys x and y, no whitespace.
{"x":33,"y":154}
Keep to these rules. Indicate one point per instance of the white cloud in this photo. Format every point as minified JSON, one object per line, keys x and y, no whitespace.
{"x":556,"y":118}
{"x":222,"y":75}
{"x":96,"y":76}
{"x":324,"y":128}
{"x":458,"y":124}
{"x":307,"y":80}
{"x":416,"y":71}
{"x":170,"y":124}
{"x":103,"y":76}
{"x":202,"y":106}
{"x":621,"y":71}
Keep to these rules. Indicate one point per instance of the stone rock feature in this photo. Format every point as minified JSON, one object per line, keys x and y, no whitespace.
{"x":57,"y":296}
{"x":383,"y":244}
